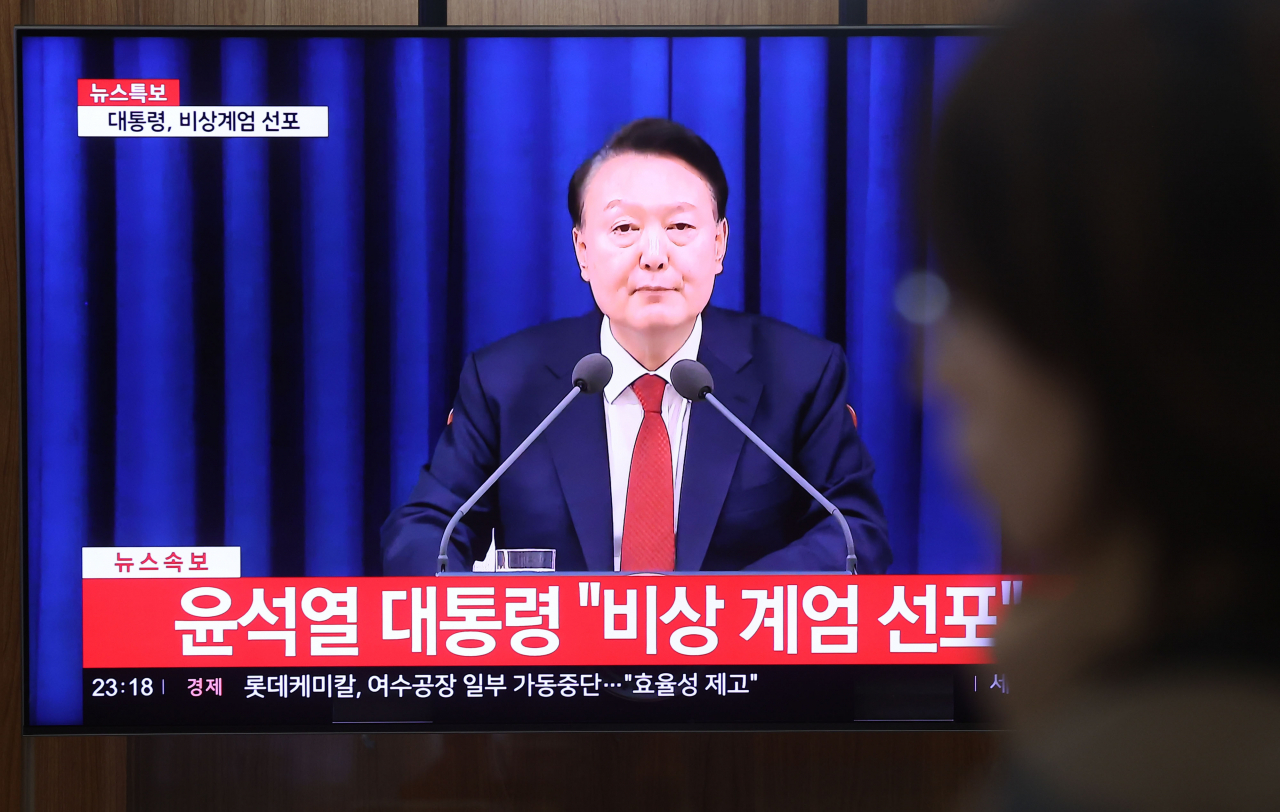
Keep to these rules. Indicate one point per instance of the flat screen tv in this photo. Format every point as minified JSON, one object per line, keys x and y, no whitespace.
{"x":293,"y":298}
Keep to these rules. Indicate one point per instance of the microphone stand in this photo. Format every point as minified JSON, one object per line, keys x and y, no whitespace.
{"x":442,"y":560}
{"x":851,"y":560}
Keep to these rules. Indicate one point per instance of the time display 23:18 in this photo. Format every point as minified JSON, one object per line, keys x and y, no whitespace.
{"x":109,"y":686}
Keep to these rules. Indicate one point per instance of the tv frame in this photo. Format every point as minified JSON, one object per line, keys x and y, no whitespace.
{"x":391,"y":32}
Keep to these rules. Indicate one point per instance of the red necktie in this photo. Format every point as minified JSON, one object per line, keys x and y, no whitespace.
{"x":648,"y":528}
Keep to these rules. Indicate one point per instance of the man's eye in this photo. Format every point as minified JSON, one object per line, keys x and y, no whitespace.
{"x":623,"y":228}
{"x":682,"y":226}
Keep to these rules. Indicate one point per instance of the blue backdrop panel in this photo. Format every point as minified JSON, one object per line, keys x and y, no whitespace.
{"x":509,"y":210}
{"x":709,"y":95}
{"x":898,"y":75}
{"x":596,"y":86}
{"x":959,"y":531}
{"x":535,"y":109}
{"x":793,"y":180}
{"x":155,"y":375}
{"x":352,"y":274}
{"x":247,"y":292}
{"x":419,"y":255}
{"x":36,"y":276}
{"x":332,"y":208}
{"x":857,"y":145}
{"x":56,"y":252}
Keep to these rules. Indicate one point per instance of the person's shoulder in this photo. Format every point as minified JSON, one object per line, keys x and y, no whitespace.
{"x":542,"y":343}
{"x":772,"y":339}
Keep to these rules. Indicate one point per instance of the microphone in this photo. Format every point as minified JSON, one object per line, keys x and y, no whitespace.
{"x":590,"y":375}
{"x":693,"y":381}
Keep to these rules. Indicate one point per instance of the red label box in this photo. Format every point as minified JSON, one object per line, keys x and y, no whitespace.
{"x":127,"y":92}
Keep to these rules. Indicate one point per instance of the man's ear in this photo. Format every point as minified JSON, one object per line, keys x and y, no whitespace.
{"x":580,"y":250}
{"x":722,"y":243}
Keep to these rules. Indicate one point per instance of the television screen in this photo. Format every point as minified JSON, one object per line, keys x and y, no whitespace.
{"x":490,"y":379}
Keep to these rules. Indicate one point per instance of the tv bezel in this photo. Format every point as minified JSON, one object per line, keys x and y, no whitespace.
{"x":432,"y":32}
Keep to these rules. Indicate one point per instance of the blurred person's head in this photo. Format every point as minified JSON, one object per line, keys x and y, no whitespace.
{"x":650,"y":233}
{"x":1106,"y":206}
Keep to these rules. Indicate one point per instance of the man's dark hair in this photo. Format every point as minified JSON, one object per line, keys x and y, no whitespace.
{"x":1106,"y":186}
{"x":654,"y":136}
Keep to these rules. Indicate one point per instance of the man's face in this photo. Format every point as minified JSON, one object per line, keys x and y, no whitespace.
{"x":649,"y":244}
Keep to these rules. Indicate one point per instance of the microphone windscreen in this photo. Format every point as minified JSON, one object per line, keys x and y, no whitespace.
{"x":592,"y":373}
{"x":692,"y":380}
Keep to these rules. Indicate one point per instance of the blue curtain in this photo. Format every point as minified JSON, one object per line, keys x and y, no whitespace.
{"x":247,"y":303}
{"x":56,"y":239}
{"x":256,"y":342}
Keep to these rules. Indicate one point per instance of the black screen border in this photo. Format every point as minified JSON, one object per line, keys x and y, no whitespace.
{"x":394,"y":32}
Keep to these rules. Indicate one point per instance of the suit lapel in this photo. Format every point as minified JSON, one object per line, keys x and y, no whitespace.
{"x":580,"y":451}
{"x":714,"y":444}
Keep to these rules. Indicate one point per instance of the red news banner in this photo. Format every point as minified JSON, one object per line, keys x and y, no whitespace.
{"x":550,"y":620}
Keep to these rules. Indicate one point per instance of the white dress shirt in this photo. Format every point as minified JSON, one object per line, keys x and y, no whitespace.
{"x":623,"y":414}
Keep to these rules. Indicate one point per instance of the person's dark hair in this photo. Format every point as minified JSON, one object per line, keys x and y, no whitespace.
{"x":654,"y":136}
{"x":1106,"y":185}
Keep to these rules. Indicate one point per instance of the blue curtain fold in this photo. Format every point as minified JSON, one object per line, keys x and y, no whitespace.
{"x":419,"y":257}
{"x":535,"y":109}
{"x":595,"y":86}
{"x":959,"y":530}
{"x":257,"y":342}
{"x":507,"y":198}
{"x":56,"y":251}
{"x":332,"y":254}
{"x":709,"y":95}
{"x":155,"y":490}
{"x":887,"y":245}
{"x":247,"y":303}
{"x":793,"y":180}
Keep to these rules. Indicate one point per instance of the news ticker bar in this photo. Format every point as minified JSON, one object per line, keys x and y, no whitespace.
{"x":590,"y":696}
{"x":526,"y":620}
{"x":203,"y":122}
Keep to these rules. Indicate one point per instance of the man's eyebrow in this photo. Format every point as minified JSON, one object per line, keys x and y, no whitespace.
{"x":674,"y":207}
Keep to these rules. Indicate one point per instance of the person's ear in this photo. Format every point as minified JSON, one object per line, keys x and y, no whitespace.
{"x":580,"y":250}
{"x":722,"y":243}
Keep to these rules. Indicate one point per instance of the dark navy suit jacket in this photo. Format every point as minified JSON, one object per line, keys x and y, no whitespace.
{"x":738,"y":510}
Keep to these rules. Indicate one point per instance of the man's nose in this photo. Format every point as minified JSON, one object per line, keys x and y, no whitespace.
{"x":653,"y":256}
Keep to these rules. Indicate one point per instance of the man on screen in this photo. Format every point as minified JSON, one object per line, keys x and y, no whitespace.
{"x":638,"y":478}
